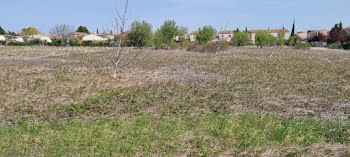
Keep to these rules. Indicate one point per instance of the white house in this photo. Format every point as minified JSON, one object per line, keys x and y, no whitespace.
{"x":94,"y":37}
{"x":18,"y":39}
{"x":2,"y":38}
{"x":43,"y":37}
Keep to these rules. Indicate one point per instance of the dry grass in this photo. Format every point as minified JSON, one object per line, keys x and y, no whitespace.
{"x":57,"y":84}
{"x":293,"y":83}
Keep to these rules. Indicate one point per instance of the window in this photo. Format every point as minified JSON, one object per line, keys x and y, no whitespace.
{"x":230,"y":36}
{"x":221,"y":36}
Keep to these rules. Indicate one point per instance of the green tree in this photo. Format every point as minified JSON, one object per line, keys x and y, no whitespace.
{"x":168,"y":32}
{"x":182,"y":37}
{"x":337,"y":33}
{"x":140,"y":34}
{"x":240,"y":39}
{"x":158,"y":40}
{"x":205,"y":34}
{"x":83,"y":29}
{"x":26,"y":32}
{"x":280,"y":40}
{"x":264,"y":39}
{"x":293,"y":29}
{"x":2,"y":31}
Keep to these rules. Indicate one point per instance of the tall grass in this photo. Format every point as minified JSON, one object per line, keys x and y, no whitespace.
{"x":147,"y":135}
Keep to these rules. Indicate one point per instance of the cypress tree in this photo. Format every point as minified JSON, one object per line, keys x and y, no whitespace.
{"x":2,"y":31}
{"x":293,"y":29}
{"x":246,"y":29}
{"x":97,"y":31}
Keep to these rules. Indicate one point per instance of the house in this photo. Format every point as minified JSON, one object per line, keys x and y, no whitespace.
{"x":17,"y":39}
{"x":106,"y":35}
{"x":347,"y":30}
{"x":226,"y":35}
{"x":43,"y":37}
{"x":94,"y":37}
{"x":312,"y":34}
{"x":302,"y":36}
{"x":273,"y":32}
{"x":2,"y":38}
{"x":193,"y":36}
{"x":78,"y":35}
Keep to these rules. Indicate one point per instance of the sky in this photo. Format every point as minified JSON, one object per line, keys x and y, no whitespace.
{"x":221,"y":14}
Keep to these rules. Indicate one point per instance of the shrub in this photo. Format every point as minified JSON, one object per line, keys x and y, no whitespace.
{"x":74,"y":42}
{"x":174,"y":46}
{"x":18,"y":44}
{"x":194,"y":47}
{"x":336,"y":45}
{"x":205,"y":34}
{"x":58,"y":42}
{"x":36,"y":42}
{"x":211,"y":47}
{"x":240,"y":39}
{"x":292,"y":41}
{"x":265,"y":39}
{"x":346,"y":45}
{"x":280,"y":39}
{"x":140,"y":34}
{"x":302,"y":46}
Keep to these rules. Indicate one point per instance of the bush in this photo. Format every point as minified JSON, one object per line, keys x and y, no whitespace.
{"x":58,"y":42}
{"x":194,"y":47}
{"x":265,"y":39}
{"x":74,"y":42}
{"x":240,"y":39}
{"x":336,"y":45}
{"x":18,"y":44}
{"x":292,"y":41}
{"x":140,"y":34}
{"x":174,"y":46}
{"x":346,"y":45}
{"x":302,"y":46}
{"x":205,"y":35}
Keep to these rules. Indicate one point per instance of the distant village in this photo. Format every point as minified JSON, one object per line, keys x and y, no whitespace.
{"x":316,"y":36}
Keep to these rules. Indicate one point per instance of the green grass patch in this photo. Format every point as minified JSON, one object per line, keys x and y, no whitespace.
{"x":146,"y":135}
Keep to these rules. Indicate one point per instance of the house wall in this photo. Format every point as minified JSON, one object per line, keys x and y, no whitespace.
{"x":252,"y":36}
{"x":192,"y":38}
{"x":226,"y":37}
{"x":2,"y":38}
{"x":302,"y":36}
{"x":93,"y":38}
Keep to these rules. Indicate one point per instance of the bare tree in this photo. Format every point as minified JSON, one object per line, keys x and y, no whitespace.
{"x":120,"y":22}
{"x":62,"y":30}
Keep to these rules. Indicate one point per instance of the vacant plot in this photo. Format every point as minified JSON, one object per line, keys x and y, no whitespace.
{"x":63,"y":102}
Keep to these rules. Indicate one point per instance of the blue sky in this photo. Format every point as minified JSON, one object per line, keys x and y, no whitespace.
{"x":255,"y":14}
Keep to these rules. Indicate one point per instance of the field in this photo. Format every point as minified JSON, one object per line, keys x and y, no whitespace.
{"x":63,"y":102}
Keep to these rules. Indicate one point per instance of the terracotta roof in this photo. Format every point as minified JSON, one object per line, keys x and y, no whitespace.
{"x":315,"y":31}
{"x":78,"y":33}
{"x":227,"y":32}
{"x":194,"y":33}
{"x":270,"y":30}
